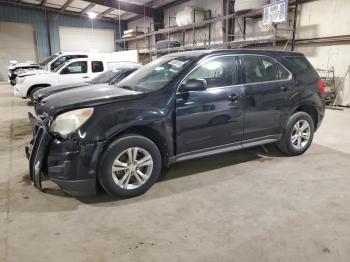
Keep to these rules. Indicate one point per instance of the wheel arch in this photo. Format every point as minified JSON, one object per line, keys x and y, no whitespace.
{"x":309,"y":109}
{"x":35,"y":86}
{"x":149,"y":132}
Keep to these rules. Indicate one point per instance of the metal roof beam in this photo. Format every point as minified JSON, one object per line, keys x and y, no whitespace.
{"x":49,"y":9}
{"x":88,"y":8}
{"x":66,"y":4}
{"x":171,"y":4}
{"x":132,"y":18}
{"x":63,"y":8}
{"x":125,"y":6}
{"x":106,"y":12}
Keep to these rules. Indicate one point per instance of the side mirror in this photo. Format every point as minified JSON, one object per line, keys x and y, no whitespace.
{"x":194,"y":85}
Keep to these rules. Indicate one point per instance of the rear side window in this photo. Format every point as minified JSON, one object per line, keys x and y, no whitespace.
{"x":96,"y":66}
{"x":263,"y":69}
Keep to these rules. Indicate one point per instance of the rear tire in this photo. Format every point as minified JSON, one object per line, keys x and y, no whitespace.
{"x":130,"y":166}
{"x":298,"y":134}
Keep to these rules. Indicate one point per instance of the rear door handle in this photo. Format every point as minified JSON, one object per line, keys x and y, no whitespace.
{"x":234,"y":97}
{"x":86,"y":76}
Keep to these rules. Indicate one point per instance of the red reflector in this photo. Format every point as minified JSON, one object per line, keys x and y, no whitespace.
{"x":322,"y":87}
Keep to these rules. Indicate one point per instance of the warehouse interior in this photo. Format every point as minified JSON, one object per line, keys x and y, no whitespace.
{"x":254,"y":204}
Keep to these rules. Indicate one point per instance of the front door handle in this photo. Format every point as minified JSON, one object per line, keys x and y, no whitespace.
{"x":284,"y":88}
{"x":234,"y":97}
{"x":86,"y":76}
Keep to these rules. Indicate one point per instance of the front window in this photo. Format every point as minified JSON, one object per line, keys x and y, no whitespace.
{"x":217,"y":72}
{"x":60,"y":61}
{"x":156,"y":74}
{"x":75,"y":68}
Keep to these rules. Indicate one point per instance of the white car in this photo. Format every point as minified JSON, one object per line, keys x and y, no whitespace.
{"x":50,"y":64}
{"x":72,"y":71}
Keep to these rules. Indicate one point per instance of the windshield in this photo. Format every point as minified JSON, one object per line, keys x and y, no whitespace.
{"x":60,"y":66}
{"x":105,"y":77}
{"x":156,"y":74}
{"x":47,"y":60}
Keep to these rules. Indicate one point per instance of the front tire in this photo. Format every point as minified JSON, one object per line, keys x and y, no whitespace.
{"x":298,"y":134}
{"x":130,"y":166}
{"x":32,"y":92}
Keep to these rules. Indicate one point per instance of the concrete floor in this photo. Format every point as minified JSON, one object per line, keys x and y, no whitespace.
{"x":239,"y":206}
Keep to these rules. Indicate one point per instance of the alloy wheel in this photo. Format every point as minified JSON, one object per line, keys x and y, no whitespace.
{"x":301,"y":133}
{"x":132,"y":168}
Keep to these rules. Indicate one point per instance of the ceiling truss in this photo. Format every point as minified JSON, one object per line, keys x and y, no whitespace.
{"x":88,"y":8}
{"x":130,"y":9}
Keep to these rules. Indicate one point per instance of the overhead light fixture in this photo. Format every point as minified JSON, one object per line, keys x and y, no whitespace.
{"x":91,"y":15}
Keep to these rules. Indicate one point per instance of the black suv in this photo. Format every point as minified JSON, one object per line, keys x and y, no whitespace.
{"x":178,"y":107}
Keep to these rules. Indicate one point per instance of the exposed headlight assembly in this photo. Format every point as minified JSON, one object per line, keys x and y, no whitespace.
{"x":69,"y":122}
{"x":20,"y":80}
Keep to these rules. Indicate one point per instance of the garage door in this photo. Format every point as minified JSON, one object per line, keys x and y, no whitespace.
{"x":86,"y":39}
{"x":17,"y":42}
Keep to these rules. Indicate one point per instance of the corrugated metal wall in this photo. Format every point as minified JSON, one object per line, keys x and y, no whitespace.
{"x":35,"y":17}
{"x":47,"y":22}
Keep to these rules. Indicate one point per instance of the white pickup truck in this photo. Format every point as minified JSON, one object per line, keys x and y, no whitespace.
{"x":70,"y":72}
{"x":49,"y":64}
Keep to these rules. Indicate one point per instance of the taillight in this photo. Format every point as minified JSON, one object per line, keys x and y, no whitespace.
{"x":322,"y":87}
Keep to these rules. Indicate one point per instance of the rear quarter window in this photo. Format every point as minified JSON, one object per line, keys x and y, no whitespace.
{"x":300,"y":67}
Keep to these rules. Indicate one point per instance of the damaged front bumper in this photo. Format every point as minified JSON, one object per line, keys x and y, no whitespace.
{"x":69,"y":163}
{"x":11,"y":78}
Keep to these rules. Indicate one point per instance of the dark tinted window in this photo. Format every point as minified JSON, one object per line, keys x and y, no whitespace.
{"x":262,"y":69}
{"x":217,"y":72}
{"x":75,"y":68}
{"x":120,"y":77}
{"x":96,"y":66}
{"x":301,"y":68}
{"x":79,"y":56}
{"x":105,"y":77}
{"x":299,"y":64}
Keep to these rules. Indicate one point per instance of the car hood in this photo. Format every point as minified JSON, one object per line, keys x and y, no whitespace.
{"x":47,"y":91}
{"x":19,"y":65}
{"x":36,"y":72}
{"x":91,"y":95}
